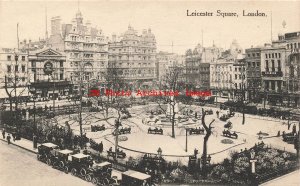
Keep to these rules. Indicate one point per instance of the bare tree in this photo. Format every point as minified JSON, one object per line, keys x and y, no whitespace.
{"x":170,"y":85}
{"x":208,"y":129}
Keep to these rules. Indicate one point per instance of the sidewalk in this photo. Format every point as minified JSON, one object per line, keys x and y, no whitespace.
{"x":23,"y":143}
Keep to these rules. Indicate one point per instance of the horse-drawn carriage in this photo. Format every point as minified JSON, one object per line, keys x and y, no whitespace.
{"x":196,"y":130}
{"x":95,"y":128}
{"x":227,"y":133}
{"x":155,"y":131}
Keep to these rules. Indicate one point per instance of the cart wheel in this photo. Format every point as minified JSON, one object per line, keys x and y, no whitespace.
{"x":74,"y":172}
{"x":88,"y":177}
{"x":66,"y":169}
{"x":61,"y":164}
{"x":49,"y":162}
{"x":82,"y":171}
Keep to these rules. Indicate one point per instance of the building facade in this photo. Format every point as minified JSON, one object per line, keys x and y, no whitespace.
{"x":134,"y":56}
{"x":279,"y":61}
{"x":253,"y":72}
{"x":85,"y":48}
{"x":13,"y":73}
{"x":197,"y":71}
{"x":46,"y":69}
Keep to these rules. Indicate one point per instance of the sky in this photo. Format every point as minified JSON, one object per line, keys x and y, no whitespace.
{"x":167,"y":20}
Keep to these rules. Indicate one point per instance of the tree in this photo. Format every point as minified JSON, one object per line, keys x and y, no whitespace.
{"x":170,"y":85}
{"x":208,"y":129}
{"x":10,"y":86}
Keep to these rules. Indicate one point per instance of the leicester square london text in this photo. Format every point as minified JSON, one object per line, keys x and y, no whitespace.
{"x":127,"y":93}
{"x":223,"y":14}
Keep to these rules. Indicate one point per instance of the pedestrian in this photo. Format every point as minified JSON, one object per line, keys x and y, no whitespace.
{"x":8,"y":139}
{"x":101,"y":147}
{"x":3,"y":133}
{"x":217,"y":114}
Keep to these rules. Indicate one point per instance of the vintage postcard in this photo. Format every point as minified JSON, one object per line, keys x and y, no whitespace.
{"x":144,"y":93}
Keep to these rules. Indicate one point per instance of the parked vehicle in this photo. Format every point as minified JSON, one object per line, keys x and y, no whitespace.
{"x":100,"y":174}
{"x":78,"y":164}
{"x":45,"y":152}
{"x":135,"y":178}
{"x":61,"y":159}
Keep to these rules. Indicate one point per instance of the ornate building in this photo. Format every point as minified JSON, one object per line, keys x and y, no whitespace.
{"x":46,"y":70}
{"x":134,"y":56}
{"x":85,"y":48}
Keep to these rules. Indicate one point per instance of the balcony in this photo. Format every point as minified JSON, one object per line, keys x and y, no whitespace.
{"x":272,"y":74}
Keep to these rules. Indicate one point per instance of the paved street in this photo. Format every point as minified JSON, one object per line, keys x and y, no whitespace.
{"x":20,"y":167}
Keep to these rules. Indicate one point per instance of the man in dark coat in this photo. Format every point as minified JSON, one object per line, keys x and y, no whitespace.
{"x":3,"y":133}
{"x":101,"y":147}
{"x":8,"y":139}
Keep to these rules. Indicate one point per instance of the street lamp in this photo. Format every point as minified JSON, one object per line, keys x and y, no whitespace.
{"x":186,"y":139}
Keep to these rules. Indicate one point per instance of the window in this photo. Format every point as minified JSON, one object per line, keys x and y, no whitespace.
{"x":273,"y":65}
{"x":16,"y":68}
{"x":8,"y":68}
{"x":272,"y":55}
{"x":279,"y":65}
{"x":61,"y":76}
{"x":23,"y":79}
{"x":23,"y":58}
{"x":279,"y":55}
{"x":235,"y":76}
{"x":61,"y":64}
{"x":9,"y":58}
{"x":275,"y":55}
{"x":257,"y":55}
{"x":269,"y":55}
{"x":266,"y":55}
{"x":33,"y":64}
{"x":23,"y":68}
{"x":253,"y":64}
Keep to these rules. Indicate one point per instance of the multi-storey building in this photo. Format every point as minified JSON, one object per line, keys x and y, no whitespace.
{"x":134,"y":56}
{"x":253,"y":72}
{"x":13,"y":73}
{"x":167,"y":60}
{"x":240,"y":78}
{"x":85,"y":48}
{"x":221,"y":80}
{"x":278,"y":66}
{"x":46,"y":74}
{"x":197,"y":70}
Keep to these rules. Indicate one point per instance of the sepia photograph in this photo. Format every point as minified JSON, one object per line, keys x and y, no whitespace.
{"x":149,"y":93}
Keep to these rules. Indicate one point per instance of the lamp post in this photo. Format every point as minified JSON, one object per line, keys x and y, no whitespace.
{"x":186,"y":139}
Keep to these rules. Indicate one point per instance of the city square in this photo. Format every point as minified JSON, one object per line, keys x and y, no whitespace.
{"x":91,"y":106}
